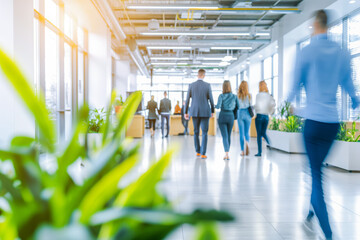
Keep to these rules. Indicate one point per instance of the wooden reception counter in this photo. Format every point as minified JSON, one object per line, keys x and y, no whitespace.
{"x":137,"y":127}
{"x":176,"y":126}
{"x":212,"y":127}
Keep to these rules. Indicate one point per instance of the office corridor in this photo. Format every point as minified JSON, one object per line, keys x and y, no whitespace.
{"x":269,"y":196}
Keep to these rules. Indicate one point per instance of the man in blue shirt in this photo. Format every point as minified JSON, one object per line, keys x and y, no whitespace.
{"x":320,"y":68}
{"x":200,"y":111}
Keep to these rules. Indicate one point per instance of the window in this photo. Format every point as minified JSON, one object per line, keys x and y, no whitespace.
{"x":354,"y":34}
{"x":270,"y":73}
{"x":58,"y":64}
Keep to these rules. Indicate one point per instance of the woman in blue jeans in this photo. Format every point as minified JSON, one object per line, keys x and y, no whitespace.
{"x":264,"y":106}
{"x":227,"y":103}
{"x":244,"y":118}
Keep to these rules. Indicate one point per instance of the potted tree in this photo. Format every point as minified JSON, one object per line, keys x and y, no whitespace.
{"x":346,"y":150}
{"x":285,"y":131}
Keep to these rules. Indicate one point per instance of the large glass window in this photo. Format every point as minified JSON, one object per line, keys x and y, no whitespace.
{"x":51,"y":71}
{"x":354,"y":34}
{"x":270,"y":73}
{"x":58,"y":64}
{"x":355,"y":113}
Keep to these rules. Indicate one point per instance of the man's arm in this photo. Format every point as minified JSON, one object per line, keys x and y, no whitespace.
{"x":210,"y":96}
{"x":299,"y":76}
{"x":347,"y":81}
{"x":188,"y":100}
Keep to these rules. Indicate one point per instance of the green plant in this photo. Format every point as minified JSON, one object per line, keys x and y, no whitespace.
{"x":284,"y":110}
{"x":119,"y":102}
{"x":96,"y":120}
{"x":293,"y":124}
{"x":41,"y":204}
{"x":348,"y":135}
{"x":275,"y":124}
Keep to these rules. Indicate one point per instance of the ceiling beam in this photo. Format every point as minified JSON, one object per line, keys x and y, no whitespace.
{"x":204,"y":42}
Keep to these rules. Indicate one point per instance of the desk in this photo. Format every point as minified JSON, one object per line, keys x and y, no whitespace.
{"x":176,"y":126}
{"x":212,"y":127}
{"x":137,"y":127}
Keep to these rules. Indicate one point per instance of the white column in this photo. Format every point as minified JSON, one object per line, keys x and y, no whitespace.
{"x":17,"y":39}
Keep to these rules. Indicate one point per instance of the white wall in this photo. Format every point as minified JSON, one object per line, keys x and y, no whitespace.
{"x":99,"y":50}
{"x":16,"y":38}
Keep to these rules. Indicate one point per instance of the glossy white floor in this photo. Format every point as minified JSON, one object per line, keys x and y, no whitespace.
{"x":269,"y":196}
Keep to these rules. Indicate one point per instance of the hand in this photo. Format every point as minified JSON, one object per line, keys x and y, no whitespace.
{"x":187,"y":116}
{"x":212,"y":115}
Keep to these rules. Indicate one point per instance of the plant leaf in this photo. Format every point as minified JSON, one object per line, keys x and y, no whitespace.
{"x":35,"y":105}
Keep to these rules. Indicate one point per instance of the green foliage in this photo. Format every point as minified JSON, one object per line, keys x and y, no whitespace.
{"x":96,"y":120}
{"x":119,"y":102}
{"x":348,"y":135}
{"x":293,"y":124}
{"x":286,"y":121}
{"x":284,"y":110}
{"x":42,"y":204}
{"x":275,"y":124}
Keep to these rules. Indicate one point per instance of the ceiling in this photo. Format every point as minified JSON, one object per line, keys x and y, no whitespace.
{"x":179,"y":36}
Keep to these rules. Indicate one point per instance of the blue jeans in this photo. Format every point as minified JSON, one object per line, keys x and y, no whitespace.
{"x":163,"y":117}
{"x":185,"y":124}
{"x":261,"y":124}
{"x":244,"y":121}
{"x":226,"y":123}
{"x":319,"y":138}
{"x":204,"y":123}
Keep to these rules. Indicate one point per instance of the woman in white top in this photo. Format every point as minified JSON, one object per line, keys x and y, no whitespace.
{"x":264,"y":106}
{"x":244,"y":118}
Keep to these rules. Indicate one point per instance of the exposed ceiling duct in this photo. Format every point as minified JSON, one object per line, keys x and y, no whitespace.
{"x":137,"y":57}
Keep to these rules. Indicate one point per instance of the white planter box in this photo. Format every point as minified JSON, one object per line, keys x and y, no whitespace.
{"x":286,"y":141}
{"x":345,"y":155}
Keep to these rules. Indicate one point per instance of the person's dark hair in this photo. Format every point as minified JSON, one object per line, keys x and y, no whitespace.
{"x":322,"y":18}
{"x":201,"y":72}
{"x":226,"y":87}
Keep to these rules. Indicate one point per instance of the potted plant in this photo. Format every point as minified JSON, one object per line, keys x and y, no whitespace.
{"x":285,"y":131}
{"x":346,"y":150}
{"x":46,"y":204}
{"x":119,"y":104}
{"x":95,"y":127}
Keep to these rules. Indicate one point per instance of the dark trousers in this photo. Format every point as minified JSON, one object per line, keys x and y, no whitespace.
{"x":261,"y":124}
{"x":152,"y":123}
{"x":319,"y":138}
{"x":163,"y":117}
{"x":226,"y":123}
{"x":202,"y":122}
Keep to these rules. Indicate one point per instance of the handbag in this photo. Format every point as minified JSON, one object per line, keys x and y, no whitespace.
{"x":235,"y":109}
{"x":250,"y":109}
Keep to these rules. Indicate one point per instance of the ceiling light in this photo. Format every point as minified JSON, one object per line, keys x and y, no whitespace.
{"x":228,"y":58}
{"x":170,"y":58}
{"x":170,"y":7}
{"x":352,"y":1}
{"x":168,"y":63}
{"x":168,"y":48}
{"x":260,"y":56}
{"x":212,"y":58}
{"x":196,"y":33}
{"x":223,"y":64}
{"x":263,"y":34}
{"x":212,"y":64}
{"x":234,"y":48}
{"x":242,"y":66}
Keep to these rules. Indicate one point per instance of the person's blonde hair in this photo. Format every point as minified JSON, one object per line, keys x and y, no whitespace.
{"x":263,"y":87}
{"x":243,"y":91}
{"x":226,"y":87}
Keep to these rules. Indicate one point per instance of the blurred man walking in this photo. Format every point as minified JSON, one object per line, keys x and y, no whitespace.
{"x":321,"y":67}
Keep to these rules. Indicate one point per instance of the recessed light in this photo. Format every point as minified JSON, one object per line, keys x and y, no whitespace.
{"x":260,"y":56}
{"x":352,"y":1}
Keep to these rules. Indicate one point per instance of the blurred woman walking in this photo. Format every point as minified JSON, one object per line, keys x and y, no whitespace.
{"x":264,"y":106}
{"x":244,"y":117}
